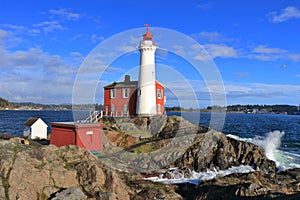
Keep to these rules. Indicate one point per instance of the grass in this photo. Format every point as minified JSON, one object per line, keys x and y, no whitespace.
{"x":40,"y":166}
{"x":146,"y":148}
{"x":139,"y":133}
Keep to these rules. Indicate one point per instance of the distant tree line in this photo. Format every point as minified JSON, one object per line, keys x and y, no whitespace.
{"x":173,"y":109}
{"x":3,"y":103}
{"x":16,"y":105}
{"x":289,"y":109}
{"x":267,"y":108}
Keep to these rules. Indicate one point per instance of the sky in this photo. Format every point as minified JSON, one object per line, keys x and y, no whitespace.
{"x":252,"y":48}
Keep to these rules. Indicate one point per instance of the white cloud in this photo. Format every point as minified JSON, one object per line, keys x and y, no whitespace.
{"x":64,"y":13}
{"x":96,"y":39}
{"x":261,"y":92}
{"x":134,"y":40}
{"x":50,"y":26}
{"x":209,"y":36}
{"x":287,"y":13}
{"x":236,"y":93}
{"x":127,"y":48}
{"x":13,"y":27}
{"x":264,"y":53}
{"x":264,"y":57}
{"x":242,"y":74}
{"x":204,"y":6}
{"x":294,"y":57}
{"x":267,"y":50}
{"x":34,"y":75}
{"x":76,"y":54}
{"x":216,"y":50}
{"x":3,"y":33}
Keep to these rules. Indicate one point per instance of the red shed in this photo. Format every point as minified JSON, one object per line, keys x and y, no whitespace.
{"x":87,"y":136}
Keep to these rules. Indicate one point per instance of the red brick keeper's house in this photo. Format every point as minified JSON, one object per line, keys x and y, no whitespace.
{"x":120,"y":98}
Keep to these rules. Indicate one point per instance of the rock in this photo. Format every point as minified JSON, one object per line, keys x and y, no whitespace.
{"x":213,"y":150}
{"x":49,"y":191}
{"x":70,"y":194}
{"x":252,"y":189}
{"x":48,"y":172}
{"x":91,"y":177}
{"x":176,"y":126}
{"x":2,"y":189}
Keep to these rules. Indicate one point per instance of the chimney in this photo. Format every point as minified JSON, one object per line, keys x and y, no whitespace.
{"x":127,"y":79}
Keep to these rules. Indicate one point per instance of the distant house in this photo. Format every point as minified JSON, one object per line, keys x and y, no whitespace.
{"x":87,"y":136}
{"x":35,"y":128}
{"x":120,"y":98}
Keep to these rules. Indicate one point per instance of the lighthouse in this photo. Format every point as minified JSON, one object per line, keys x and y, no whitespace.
{"x":146,"y":99}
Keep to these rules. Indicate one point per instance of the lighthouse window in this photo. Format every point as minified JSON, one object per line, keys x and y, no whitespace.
{"x":159,"y":93}
{"x":125,"y":92}
{"x":112,"y":93}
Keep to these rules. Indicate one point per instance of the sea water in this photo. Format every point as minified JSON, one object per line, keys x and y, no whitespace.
{"x":12,"y":121}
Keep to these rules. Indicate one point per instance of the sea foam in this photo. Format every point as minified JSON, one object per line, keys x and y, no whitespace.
{"x":271,"y":144}
{"x":196,"y":177}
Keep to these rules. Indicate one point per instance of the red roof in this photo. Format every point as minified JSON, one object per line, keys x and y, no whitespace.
{"x":147,"y":35}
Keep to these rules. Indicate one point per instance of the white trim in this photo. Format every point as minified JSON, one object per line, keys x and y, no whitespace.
{"x":159,"y":93}
{"x":125,"y":94}
{"x":112,"y":93}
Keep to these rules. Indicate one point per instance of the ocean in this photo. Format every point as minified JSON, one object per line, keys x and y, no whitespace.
{"x":279,"y":135}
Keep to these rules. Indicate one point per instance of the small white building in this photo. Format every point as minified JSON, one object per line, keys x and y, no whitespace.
{"x":35,"y":128}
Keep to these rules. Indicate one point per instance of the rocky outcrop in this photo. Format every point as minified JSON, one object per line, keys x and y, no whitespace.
{"x":151,"y":124}
{"x":213,"y":150}
{"x":48,"y":172}
{"x":182,"y":144}
{"x":176,"y":126}
{"x":245,"y":186}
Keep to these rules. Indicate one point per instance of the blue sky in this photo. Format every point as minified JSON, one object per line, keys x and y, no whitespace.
{"x":254,"y":44}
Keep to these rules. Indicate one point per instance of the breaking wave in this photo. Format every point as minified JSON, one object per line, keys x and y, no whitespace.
{"x":196,"y":177}
{"x":271,"y":145}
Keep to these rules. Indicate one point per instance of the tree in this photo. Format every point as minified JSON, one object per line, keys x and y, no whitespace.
{"x":3,"y":102}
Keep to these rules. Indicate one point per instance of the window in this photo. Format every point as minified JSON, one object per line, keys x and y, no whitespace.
{"x":112,"y":108}
{"x":125,"y":109}
{"x":125,"y":93}
{"x":106,"y":110}
{"x":159,"y":93}
{"x":112,"y":93}
{"x":158,"y":108}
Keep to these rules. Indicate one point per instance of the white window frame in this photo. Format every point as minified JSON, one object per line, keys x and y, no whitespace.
{"x":125,"y":108}
{"x":159,"y":93}
{"x":158,"y":108}
{"x":125,"y":94}
{"x":106,"y":110}
{"x":112,"y":93}
{"x":112,"y":108}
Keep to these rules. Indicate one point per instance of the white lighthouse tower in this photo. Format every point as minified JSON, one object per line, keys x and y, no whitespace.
{"x":146,"y":100}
